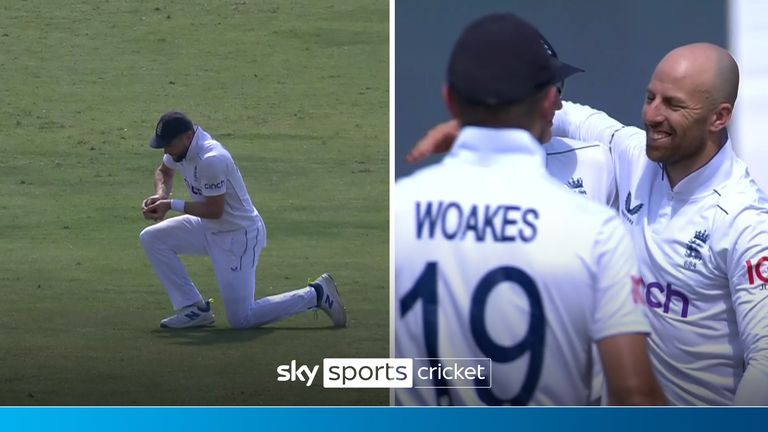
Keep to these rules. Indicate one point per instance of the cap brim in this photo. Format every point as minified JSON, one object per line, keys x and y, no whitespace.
{"x":157,"y":143}
{"x":564,"y":70}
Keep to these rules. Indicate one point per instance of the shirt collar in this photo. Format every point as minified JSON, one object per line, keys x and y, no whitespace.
{"x":710,"y":176}
{"x":196,"y":146}
{"x":486,"y":146}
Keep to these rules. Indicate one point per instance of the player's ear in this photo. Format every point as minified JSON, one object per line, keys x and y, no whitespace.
{"x":548,"y":104}
{"x":553,"y":99}
{"x":720,"y":117}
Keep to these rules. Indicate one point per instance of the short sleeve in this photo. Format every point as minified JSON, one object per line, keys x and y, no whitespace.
{"x":212,"y":172}
{"x":170,"y":163}
{"x":748,"y":279}
{"x":619,"y":306}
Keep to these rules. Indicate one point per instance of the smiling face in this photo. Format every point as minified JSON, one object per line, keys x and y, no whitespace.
{"x":687,"y":106}
{"x":675,"y":114}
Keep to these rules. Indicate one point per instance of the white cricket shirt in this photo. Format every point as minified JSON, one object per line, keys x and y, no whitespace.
{"x":208,"y":170}
{"x":495,"y":259}
{"x":584,"y":168}
{"x":703,"y":256}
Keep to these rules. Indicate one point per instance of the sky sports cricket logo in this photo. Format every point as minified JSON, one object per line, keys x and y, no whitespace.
{"x":391,"y":373}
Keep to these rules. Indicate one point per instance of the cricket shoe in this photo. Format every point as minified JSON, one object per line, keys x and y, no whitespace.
{"x":190,"y":316}
{"x":330,"y":302}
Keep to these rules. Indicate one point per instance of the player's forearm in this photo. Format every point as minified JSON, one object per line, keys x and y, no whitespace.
{"x":163,"y":183}
{"x":628,"y":371}
{"x":584,"y":123}
{"x":753,"y":388}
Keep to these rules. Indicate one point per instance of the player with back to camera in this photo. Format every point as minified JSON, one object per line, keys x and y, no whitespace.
{"x":582,"y":167}
{"x":495,"y":259}
{"x":220,"y":221}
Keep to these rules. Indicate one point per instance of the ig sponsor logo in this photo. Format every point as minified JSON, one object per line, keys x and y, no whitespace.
{"x":755,"y":272}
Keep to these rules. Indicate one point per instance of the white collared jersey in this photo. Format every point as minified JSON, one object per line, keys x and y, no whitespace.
{"x":495,"y":259}
{"x":703,"y":254}
{"x":584,"y":168}
{"x":208,"y":170}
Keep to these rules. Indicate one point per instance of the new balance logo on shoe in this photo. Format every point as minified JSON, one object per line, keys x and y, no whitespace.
{"x":190,"y":316}
{"x":331,"y":303}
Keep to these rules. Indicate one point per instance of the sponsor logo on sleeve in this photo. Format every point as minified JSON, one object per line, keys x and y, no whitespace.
{"x":214,"y":186}
{"x":757,"y":272}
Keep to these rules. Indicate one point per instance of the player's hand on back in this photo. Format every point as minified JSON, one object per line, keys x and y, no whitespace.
{"x":439,"y":139}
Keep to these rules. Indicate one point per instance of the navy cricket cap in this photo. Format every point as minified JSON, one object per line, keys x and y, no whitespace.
{"x":501,"y":59}
{"x":171,"y":125}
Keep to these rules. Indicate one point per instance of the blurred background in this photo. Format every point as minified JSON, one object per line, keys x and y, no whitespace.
{"x":617,"y":43}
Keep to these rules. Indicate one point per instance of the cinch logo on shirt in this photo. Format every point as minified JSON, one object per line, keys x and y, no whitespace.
{"x":211,"y":186}
{"x":670,"y":293}
{"x":755,"y":271}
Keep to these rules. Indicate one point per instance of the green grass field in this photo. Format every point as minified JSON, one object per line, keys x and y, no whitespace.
{"x":297,"y":90}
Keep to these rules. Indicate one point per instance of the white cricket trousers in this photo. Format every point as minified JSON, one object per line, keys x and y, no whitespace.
{"x":234,"y":255}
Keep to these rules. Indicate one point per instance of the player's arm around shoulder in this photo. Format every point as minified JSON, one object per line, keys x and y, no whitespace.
{"x":619,"y":325}
{"x":438,"y":140}
{"x":584,"y":123}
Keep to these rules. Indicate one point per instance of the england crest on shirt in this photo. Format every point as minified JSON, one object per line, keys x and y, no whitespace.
{"x":693,"y":249}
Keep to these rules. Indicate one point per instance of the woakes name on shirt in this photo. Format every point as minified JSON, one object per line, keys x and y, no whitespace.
{"x":477,"y":222}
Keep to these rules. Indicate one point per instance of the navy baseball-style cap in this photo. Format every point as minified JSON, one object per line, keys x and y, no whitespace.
{"x":501,"y":59}
{"x":171,"y":125}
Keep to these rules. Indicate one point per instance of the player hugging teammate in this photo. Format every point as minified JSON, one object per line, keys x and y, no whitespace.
{"x":667,"y":291}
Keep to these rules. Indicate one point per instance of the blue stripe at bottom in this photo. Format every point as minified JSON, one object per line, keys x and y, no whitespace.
{"x":389,"y":419}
